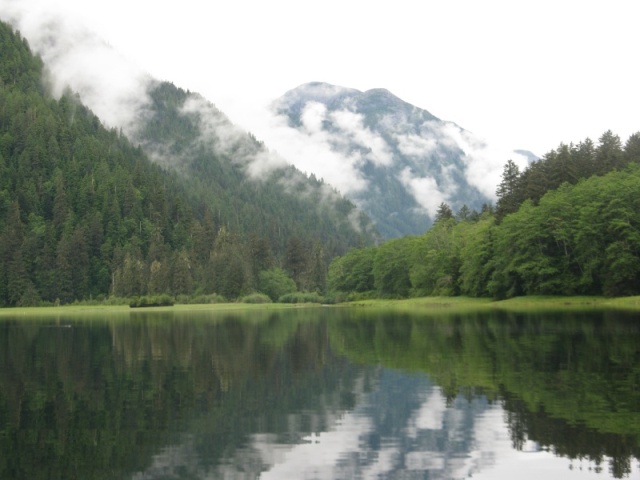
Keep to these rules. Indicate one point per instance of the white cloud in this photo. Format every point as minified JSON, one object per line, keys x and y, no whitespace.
{"x":216,"y":130}
{"x":310,"y":149}
{"x":312,"y":117}
{"x":484,"y":161}
{"x":425,"y":190}
{"x":112,"y":86}
{"x":352,"y":124}
{"x":319,"y":457}
{"x":431,"y":413}
{"x":416,"y":145}
{"x":116,"y":90}
{"x":211,"y":47}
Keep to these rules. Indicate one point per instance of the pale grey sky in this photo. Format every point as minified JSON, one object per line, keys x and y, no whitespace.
{"x":526,"y":74}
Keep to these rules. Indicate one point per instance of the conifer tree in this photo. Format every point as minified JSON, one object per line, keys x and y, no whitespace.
{"x":507,"y":191}
{"x":444,"y":212}
{"x":609,"y":154}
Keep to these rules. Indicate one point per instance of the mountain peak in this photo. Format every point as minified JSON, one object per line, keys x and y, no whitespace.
{"x":318,"y":91}
{"x":375,"y":103}
{"x":403,"y":161}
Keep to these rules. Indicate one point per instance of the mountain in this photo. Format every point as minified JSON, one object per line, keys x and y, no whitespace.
{"x":249,"y":188}
{"x":406,"y":161}
{"x":86,"y":213}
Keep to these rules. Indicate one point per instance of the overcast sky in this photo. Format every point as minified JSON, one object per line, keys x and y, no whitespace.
{"x":526,"y":74}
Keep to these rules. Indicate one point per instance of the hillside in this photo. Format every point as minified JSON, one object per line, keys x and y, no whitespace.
{"x":84,"y":213}
{"x":405,"y":161}
{"x":249,"y":188}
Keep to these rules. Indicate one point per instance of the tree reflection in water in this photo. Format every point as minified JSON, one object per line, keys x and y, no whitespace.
{"x":326,"y":393}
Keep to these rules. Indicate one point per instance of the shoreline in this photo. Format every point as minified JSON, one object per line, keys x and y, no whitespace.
{"x":413,"y":304}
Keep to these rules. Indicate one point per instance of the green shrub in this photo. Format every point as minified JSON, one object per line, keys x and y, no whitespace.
{"x":163,"y":300}
{"x":275,"y":283}
{"x":200,"y":299}
{"x":301,"y":297}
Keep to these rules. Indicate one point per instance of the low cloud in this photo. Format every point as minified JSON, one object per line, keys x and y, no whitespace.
{"x":323,"y":144}
{"x":311,"y":148}
{"x":425,"y":190}
{"x":353,"y":131}
{"x":414,"y":145}
{"x":114,"y":88}
{"x":117,"y":91}
{"x":484,"y":161}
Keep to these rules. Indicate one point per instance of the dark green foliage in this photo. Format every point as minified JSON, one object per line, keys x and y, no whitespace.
{"x":18,"y":68}
{"x":152,"y":301}
{"x":301,"y":297}
{"x":265,"y":207}
{"x":84,"y":213}
{"x":296,"y":260}
{"x":568,"y":163}
{"x":353,"y":272}
{"x":435,"y":261}
{"x":507,"y":191}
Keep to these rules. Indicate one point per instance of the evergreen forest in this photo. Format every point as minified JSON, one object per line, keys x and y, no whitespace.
{"x":86,"y":215}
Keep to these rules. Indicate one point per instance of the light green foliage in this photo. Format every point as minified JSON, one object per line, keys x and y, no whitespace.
{"x":353,"y":272}
{"x":476,"y":253}
{"x":581,"y":239}
{"x":578,"y":240}
{"x":391,"y":266}
{"x":275,"y":283}
{"x":435,"y":262}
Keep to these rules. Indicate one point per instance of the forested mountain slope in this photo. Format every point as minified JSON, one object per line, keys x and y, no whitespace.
{"x":250,"y":189}
{"x":403,"y":160}
{"x":85,"y":213}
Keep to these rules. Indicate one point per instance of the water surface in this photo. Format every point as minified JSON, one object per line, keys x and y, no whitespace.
{"x":320,"y":394}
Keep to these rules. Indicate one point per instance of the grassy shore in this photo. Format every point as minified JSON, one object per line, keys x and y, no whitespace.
{"x":125,"y":310}
{"x":518,"y":303}
{"x":411,"y":304}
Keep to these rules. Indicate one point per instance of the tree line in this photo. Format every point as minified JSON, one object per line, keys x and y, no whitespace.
{"x":569,"y":224}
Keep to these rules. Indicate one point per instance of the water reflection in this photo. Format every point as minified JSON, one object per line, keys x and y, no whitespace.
{"x":323,"y":393}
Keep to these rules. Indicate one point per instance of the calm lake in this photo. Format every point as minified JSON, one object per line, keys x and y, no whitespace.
{"x":320,"y":393}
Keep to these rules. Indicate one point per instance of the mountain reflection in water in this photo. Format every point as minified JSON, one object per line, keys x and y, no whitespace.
{"x":321,"y":394}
